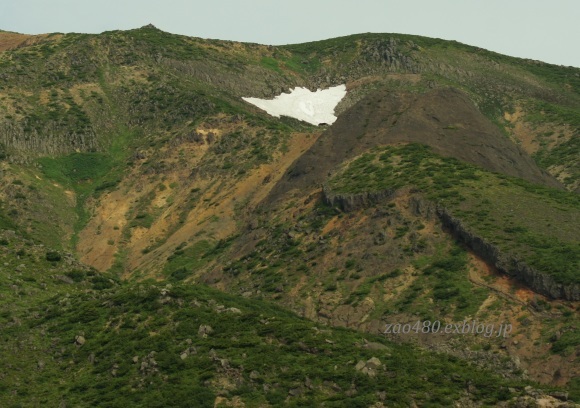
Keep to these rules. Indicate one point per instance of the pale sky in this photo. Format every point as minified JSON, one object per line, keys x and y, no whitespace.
{"x":546,"y":30}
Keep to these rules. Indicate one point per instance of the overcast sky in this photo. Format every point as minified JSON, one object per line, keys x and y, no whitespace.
{"x":546,"y":30}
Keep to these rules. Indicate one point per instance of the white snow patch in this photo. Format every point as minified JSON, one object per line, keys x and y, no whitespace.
{"x":303,"y":104}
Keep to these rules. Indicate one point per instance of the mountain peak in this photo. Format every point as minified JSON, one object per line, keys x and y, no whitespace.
{"x":150,"y":26}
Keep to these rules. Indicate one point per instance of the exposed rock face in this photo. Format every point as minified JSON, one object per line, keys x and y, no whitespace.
{"x":390,"y":53}
{"x":422,"y":208}
{"x":51,"y":139}
{"x":352,"y":202}
{"x":511,"y":266}
{"x":537,"y":281}
{"x":369,"y":367}
{"x":204,"y":330}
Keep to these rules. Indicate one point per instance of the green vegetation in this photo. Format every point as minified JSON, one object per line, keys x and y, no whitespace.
{"x":564,"y":154}
{"x":443,"y":289}
{"x":271,"y":63}
{"x":91,"y":173}
{"x":530,"y":222}
{"x":99,"y":111}
{"x":86,"y":339}
{"x":574,"y":387}
{"x":177,"y":345}
{"x":6,"y":221}
{"x":153,"y":40}
{"x":186,"y":259}
{"x":556,"y":89}
{"x":53,"y":256}
{"x":77,"y":168}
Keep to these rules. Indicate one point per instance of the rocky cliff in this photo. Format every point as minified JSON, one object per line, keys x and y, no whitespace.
{"x":537,"y":281}
{"x":352,"y":202}
{"x":505,"y":263}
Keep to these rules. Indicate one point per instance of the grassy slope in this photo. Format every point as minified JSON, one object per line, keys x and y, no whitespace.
{"x":286,"y":355}
{"x":533,"y":223}
{"x":497,"y":82}
{"x":134,"y":107}
{"x":134,"y":313}
{"x":142,"y":346}
{"x":354,"y":272}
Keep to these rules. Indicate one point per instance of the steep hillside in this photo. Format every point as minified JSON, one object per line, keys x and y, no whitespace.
{"x":133,"y":174}
{"x":535,"y":103}
{"x":123,"y":108}
{"x":444,"y":119}
{"x":379,"y":245}
{"x":157,"y":345}
{"x":71,"y":336}
{"x":526,"y":221}
{"x":64,"y":87}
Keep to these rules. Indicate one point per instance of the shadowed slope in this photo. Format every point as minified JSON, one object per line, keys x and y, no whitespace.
{"x":445,"y":119}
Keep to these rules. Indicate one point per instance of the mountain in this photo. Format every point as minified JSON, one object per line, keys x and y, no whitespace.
{"x":95,"y":341}
{"x":142,"y":200}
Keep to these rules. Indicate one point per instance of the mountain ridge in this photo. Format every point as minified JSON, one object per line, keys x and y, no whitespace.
{"x":355,"y":133}
{"x":134,"y":152}
{"x":473,"y":48}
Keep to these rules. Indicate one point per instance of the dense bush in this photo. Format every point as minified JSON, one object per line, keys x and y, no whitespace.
{"x":53,"y":256}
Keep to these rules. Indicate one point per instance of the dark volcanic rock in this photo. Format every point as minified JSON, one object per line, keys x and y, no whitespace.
{"x":351,"y":202}
{"x":443,"y":118}
{"x":537,"y":281}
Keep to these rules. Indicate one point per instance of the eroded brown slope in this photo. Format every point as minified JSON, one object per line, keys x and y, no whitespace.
{"x":366,"y":268}
{"x":445,"y":119}
{"x":186,"y":208}
{"x":10,"y":41}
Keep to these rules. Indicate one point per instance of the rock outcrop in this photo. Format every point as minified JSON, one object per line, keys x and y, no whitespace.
{"x":352,"y":202}
{"x":511,"y":266}
{"x":537,"y":281}
{"x":51,"y":139}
